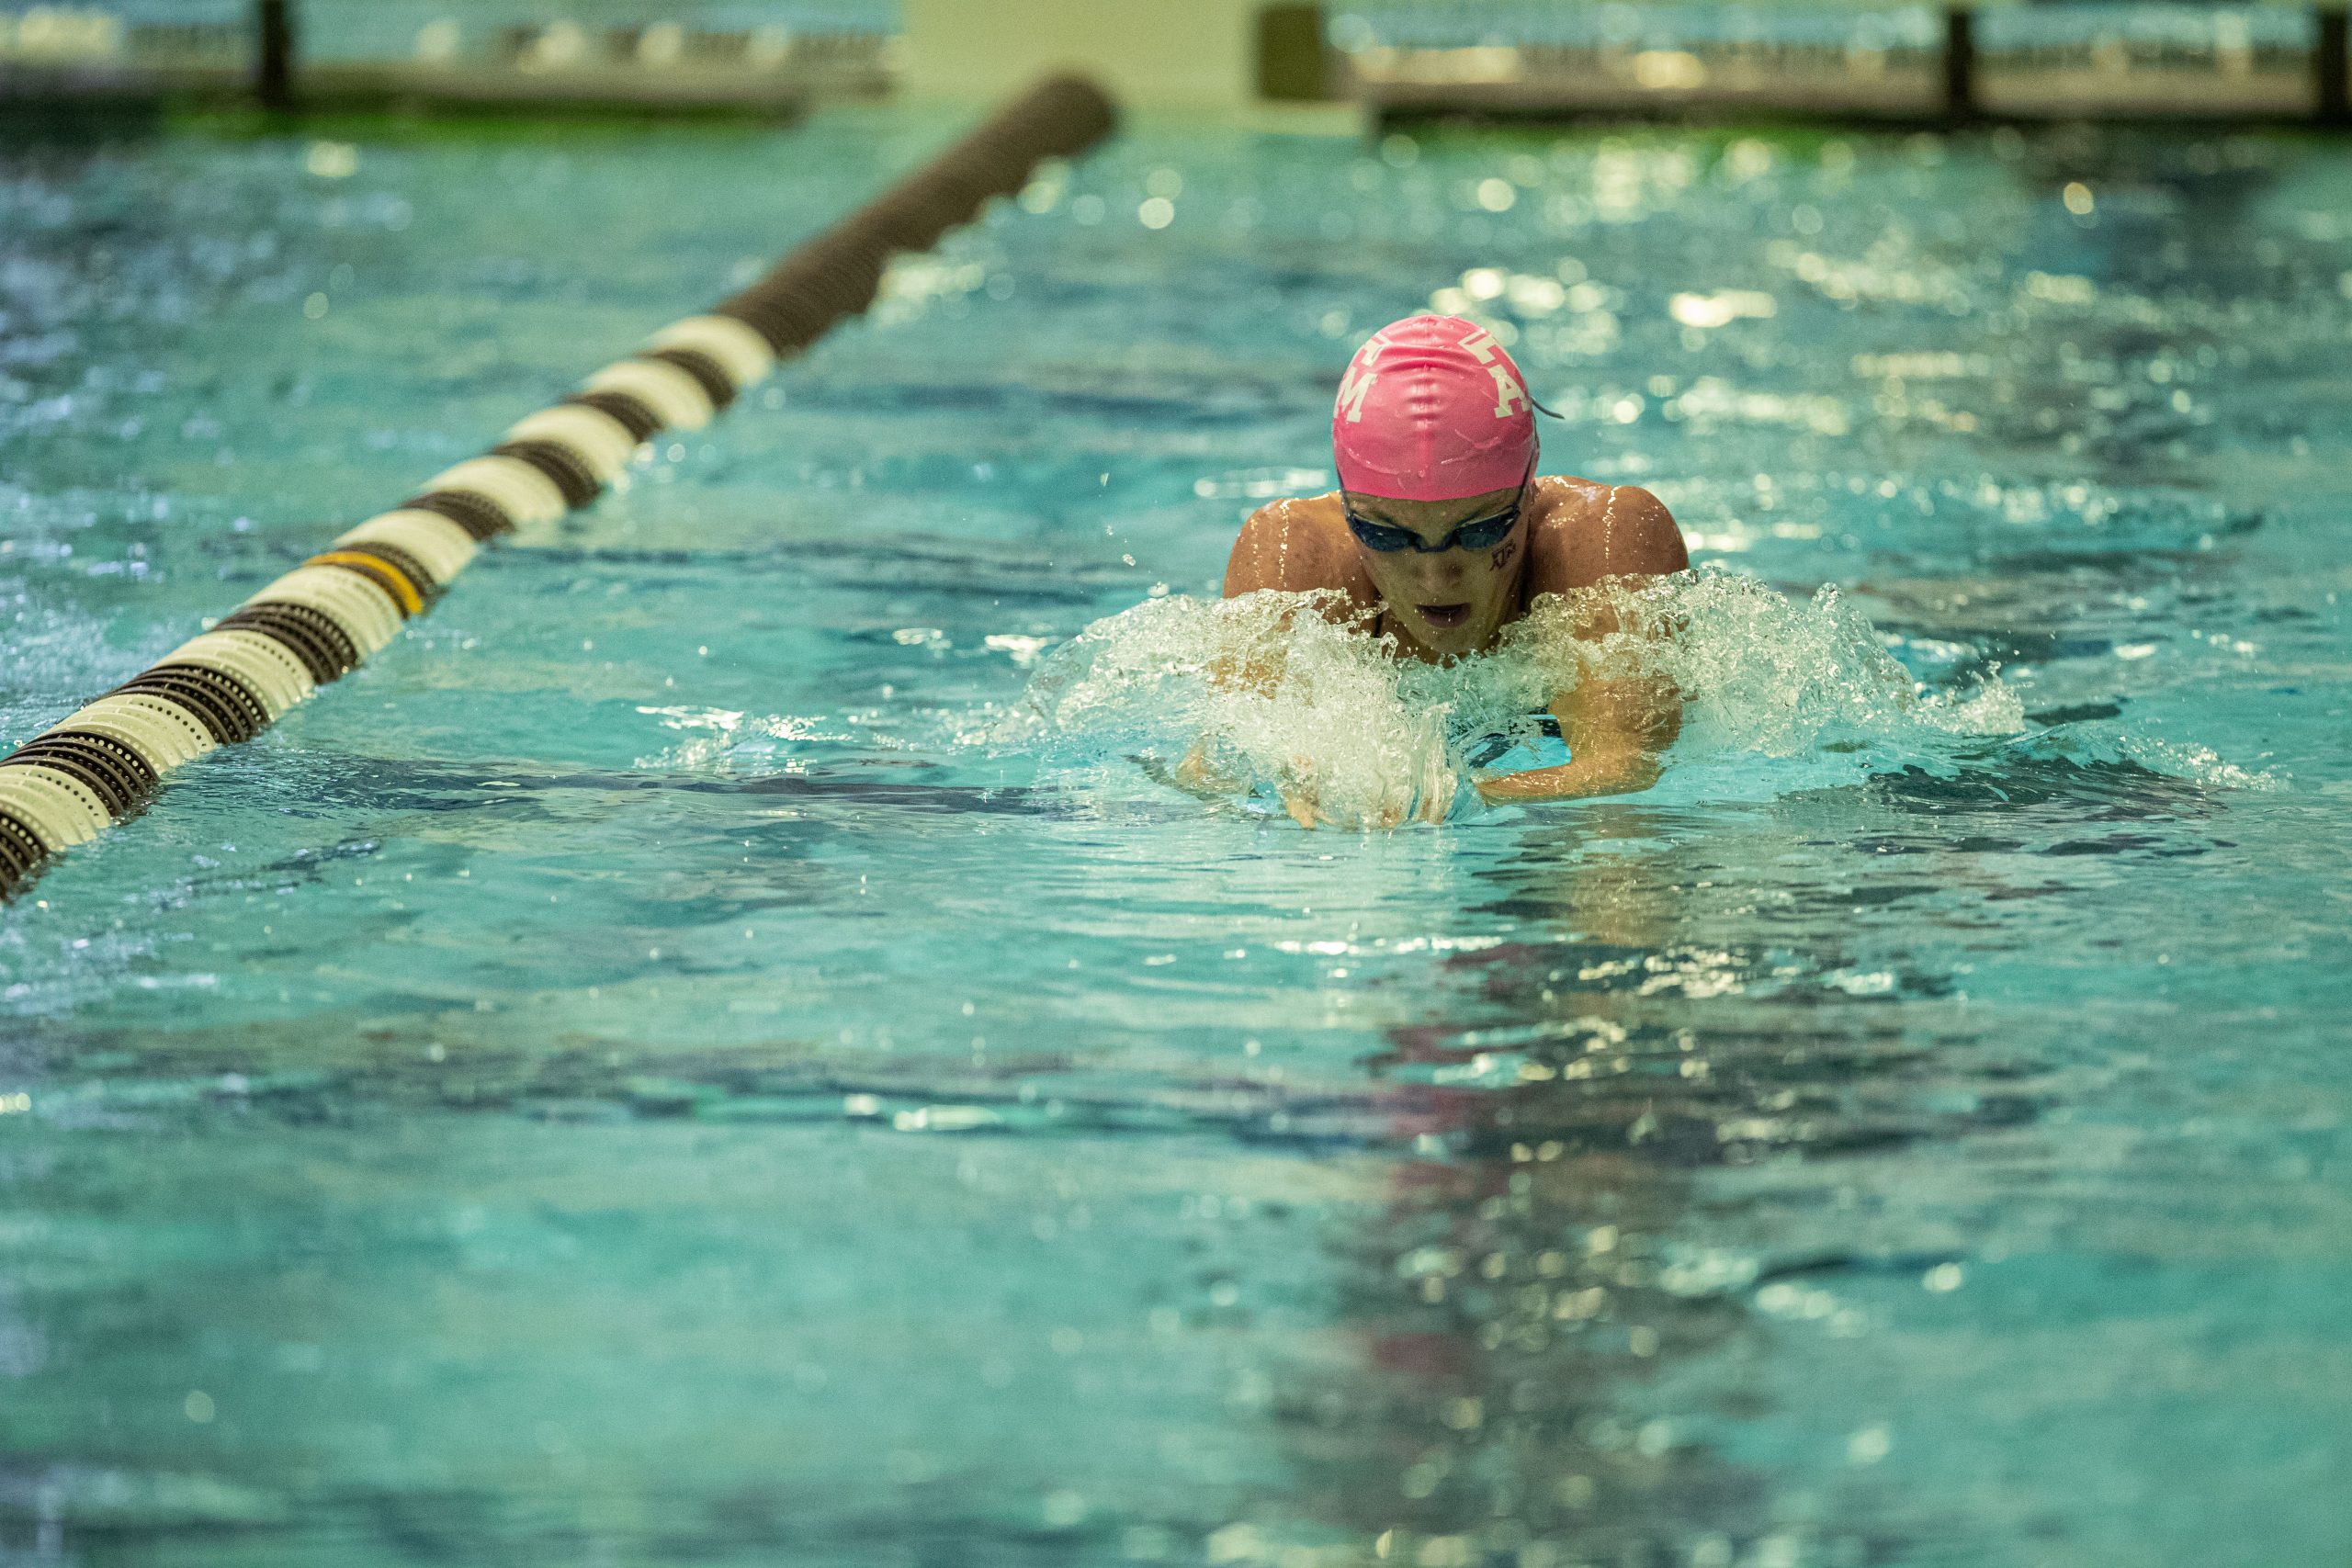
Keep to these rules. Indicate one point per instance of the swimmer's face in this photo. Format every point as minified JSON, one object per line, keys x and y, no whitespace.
{"x":1450,"y":602}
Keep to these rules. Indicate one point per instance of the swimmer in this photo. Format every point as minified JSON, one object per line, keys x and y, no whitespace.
{"x":1442,"y":534}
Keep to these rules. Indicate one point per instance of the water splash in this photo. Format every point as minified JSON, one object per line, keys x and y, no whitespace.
{"x":1284,"y":694}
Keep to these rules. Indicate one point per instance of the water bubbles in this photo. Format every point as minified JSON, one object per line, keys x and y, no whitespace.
{"x":331,"y":160}
{"x":1722,"y":308}
{"x":1869,"y":1445}
{"x":1748,"y":159}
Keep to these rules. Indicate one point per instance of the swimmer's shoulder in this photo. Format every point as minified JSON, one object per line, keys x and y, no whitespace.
{"x":1294,"y":546}
{"x":1585,"y":532}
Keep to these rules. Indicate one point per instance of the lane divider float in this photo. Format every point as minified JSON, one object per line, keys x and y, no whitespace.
{"x":327,"y":616}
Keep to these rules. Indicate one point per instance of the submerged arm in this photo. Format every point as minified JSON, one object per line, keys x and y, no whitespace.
{"x":1616,"y":729}
{"x":1619,"y":728}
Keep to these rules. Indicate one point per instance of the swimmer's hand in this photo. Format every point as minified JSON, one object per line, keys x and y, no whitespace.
{"x":1401,"y":800}
{"x":1195,"y":775}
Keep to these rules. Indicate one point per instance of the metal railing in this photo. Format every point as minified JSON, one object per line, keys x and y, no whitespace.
{"x":259,"y":50}
{"x":1926,"y":63}
{"x":1950,"y":65}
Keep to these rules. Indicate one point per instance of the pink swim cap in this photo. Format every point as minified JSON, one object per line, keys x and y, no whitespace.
{"x":1431,"y":409}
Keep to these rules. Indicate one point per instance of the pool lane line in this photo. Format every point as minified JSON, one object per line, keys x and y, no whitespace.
{"x":333,"y":613}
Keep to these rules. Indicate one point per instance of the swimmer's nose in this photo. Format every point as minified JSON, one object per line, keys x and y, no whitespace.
{"x":1438,"y":572}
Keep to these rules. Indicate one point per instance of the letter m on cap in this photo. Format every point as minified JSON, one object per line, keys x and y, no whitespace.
{"x":1352,"y":390}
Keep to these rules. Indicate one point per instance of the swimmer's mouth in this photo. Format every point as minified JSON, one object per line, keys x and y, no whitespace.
{"x":1444,"y":617}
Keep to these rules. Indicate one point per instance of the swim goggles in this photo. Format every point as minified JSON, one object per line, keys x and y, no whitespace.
{"x":1478,"y":534}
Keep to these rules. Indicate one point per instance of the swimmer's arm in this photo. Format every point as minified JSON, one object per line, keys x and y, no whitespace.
{"x":1617,"y":733}
{"x":1281,"y":550}
{"x":1271,"y":553}
{"x":1617,"y":730}
{"x":1299,"y":546}
{"x":1278,"y":551}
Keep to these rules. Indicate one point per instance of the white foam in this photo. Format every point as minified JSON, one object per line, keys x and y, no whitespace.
{"x":1276,"y":692}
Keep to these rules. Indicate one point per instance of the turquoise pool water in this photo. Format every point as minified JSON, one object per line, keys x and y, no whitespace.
{"x":711,"y":1050}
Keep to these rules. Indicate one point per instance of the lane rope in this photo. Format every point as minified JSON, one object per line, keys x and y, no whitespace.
{"x":327,"y":616}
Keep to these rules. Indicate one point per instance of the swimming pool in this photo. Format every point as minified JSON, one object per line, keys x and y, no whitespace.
{"x":711,"y":1051}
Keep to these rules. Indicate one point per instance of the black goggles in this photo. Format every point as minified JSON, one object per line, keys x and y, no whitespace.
{"x":1478,"y":534}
